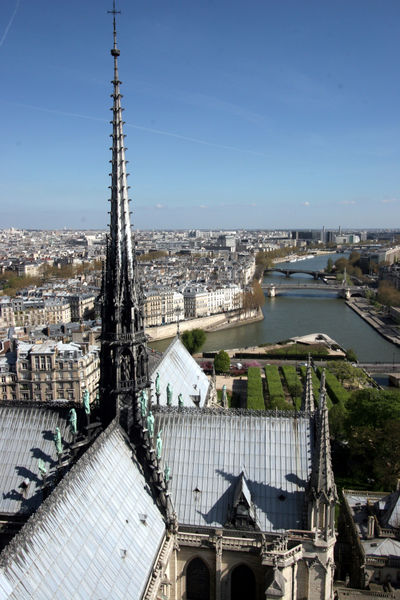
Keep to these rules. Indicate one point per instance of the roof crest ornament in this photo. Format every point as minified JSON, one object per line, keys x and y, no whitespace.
{"x":114,"y":12}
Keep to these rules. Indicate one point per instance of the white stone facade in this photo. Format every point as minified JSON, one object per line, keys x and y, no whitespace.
{"x":54,"y":371}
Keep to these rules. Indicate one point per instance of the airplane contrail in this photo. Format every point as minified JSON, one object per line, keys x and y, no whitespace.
{"x":147,"y":129}
{"x":10,"y":22}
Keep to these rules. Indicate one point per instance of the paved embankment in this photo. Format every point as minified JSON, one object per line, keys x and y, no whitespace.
{"x":212,"y":323}
{"x":382,"y":324}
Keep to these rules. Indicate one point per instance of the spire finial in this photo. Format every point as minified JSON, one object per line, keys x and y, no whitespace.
{"x":114,"y":51}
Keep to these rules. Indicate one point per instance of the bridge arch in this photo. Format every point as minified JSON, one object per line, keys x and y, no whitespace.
{"x":289,"y":272}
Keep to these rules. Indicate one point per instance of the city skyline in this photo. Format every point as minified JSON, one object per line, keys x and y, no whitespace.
{"x":278,"y":116}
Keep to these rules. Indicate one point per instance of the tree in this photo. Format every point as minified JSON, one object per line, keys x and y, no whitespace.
{"x":193,"y":339}
{"x":258,"y":294}
{"x":387,"y":294}
{"x":372,"y":408}
{"x":329,"y":265}
{"x":351,"y":355}
{"x":337,"y":416}
{"x":222,"y":362}
{"x":342,"y":370}
{"x":254,"y":298}
{"x":341,"y":264}
{"x":354,"y":258}
{"x":152,"y":255}
{"x":387,"y":458}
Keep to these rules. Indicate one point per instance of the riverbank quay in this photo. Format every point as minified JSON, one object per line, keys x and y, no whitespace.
{"x":298,"y":257}
{"x":212,"y":323}
{"x":383,"y":325}
{"x":266,"y":354}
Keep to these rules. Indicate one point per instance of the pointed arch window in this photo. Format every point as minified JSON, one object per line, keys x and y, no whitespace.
{"x":197,"y":580}
{"x":243,"y":583}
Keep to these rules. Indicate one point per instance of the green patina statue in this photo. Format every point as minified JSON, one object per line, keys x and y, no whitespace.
{"x":159,"y":445}
{"x":58,"y":441}
{"x":167,"y":473}
{"x":169,"y":394}
{"x":143,"y":403}
{"x":180,"y":400}
{"x":73,"y":421}
{"x":158,"y":383}
{"x":150,"y":424}
{"x":42,"y":467}
{"x":86,"y":403}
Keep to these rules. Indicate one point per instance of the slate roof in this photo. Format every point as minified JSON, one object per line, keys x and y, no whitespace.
{"x":391,"y":507}
{"x":179,"y":368}
{"x":207,"y":450}
{"x":96,"y":536}
{"x":386,"y":505}
{"x":382,"y":547}
{"x":26,"y":434}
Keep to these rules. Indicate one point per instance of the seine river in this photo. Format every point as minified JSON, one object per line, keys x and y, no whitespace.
{"x":301,"y":312}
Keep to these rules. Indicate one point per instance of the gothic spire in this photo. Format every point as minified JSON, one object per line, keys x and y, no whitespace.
{"x":322,"y":489}
{"x":124,"y":380}
{"x":307,"y":402}
{"x":322,"y":480}
{"x":124,"y":369}
{"x":120,"y":238}
{"x":322,"y":387}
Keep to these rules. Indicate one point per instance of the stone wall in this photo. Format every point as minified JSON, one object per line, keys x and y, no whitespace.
{"x":219,"y":321}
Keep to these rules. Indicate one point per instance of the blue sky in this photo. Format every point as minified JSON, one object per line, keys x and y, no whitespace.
{"x":256,"y":113}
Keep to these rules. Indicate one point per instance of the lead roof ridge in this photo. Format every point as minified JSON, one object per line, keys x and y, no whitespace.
{"x":231,"y":412}
{"x":46,"y":508}
{"x":52,"y":405}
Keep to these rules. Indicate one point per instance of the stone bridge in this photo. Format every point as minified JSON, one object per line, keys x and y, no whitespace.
{"x":289,"y":272}
{"x":271,"y":290}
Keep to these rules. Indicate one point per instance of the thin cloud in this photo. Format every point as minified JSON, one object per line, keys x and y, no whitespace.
{"x":196,"y":140}
{"x":306,"y":203}
{"x":203,"y":101}
{"x":158,"y":206}
{"x":203,"y":206}
{"x":347,"y":202}
{"x":10,"y":22}
{"x":178,"y":136}
{"x":389,"y":200}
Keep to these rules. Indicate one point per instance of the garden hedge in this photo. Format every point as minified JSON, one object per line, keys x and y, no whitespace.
{"x":255,"y":396}
{"x":275,"y":390}
{"x":293,"y":383}
{"x":336,"y":391}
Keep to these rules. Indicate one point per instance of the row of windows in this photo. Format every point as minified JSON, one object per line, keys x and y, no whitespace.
{"x":42,"y":362}
{"x":243,"y":583}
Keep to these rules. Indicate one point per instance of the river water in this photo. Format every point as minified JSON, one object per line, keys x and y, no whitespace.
{"x":300,"y":312}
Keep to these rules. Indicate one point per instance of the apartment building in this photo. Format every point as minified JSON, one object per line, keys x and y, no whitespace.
{"x":82,"y":305}
{"x":50,"y":371}
{"x":200,"y":301}
{"x":162,"y":306}
{"x":8,"y":376}
{"x":195,"y":302}
{"x":7,"y":318}
{"x":22,"y":312}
